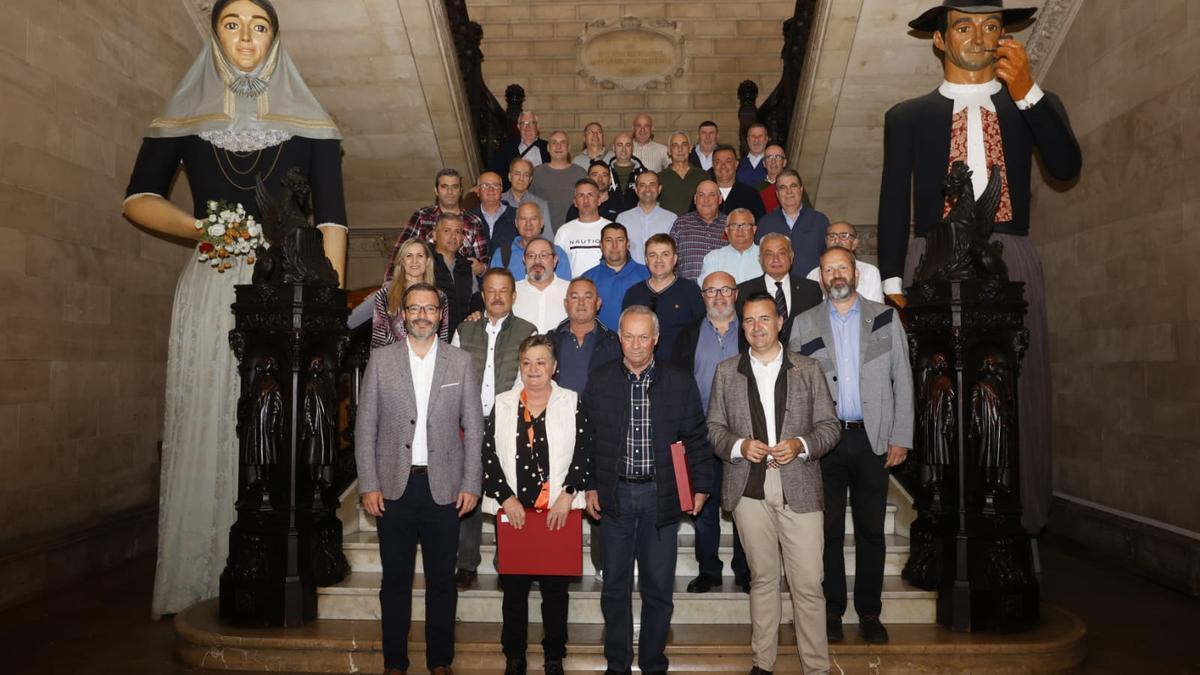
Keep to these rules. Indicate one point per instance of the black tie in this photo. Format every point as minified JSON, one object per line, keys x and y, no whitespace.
{"x":780,"y":300}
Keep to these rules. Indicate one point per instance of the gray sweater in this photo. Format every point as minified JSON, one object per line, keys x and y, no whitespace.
{"x":556,"y":186}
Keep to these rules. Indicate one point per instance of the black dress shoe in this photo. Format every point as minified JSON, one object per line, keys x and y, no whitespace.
{"x":759,"y":671}
{"x":873,"y":631}
{"x":833,"y":628}
{"x":553,"y":666}
{"x":703,"y":584}
{"x":464,"y":578}
{"x":514,"y":667}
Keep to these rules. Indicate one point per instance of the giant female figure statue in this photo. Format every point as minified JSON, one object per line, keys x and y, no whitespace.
{"x":242,"y":111}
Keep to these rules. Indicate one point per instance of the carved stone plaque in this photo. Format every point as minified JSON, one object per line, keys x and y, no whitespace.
{"x":631,"y":53}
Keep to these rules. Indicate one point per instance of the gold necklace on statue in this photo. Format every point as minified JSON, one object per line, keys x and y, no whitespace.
{"x":242,"y":155}
{"x":231,"y":181}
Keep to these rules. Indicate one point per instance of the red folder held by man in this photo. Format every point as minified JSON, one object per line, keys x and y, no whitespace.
{"x":683,"y":477}
{"x":536,"y":550}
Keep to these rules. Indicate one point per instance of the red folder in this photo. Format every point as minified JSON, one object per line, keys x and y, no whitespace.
{"x":536,"y":550}
{"x":683,"y":477}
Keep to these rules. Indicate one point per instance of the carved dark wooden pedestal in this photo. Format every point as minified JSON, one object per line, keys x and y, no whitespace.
{"x":290,"y":338}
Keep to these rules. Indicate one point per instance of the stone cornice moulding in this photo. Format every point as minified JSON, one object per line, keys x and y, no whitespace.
{"x":1051,"y":28}
{"x":625,"y":70}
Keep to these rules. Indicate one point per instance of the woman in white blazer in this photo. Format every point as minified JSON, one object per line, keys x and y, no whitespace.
{"x":536,"y":454}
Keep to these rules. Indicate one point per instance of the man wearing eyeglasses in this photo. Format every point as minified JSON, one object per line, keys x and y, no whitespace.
{"x":700,"y":348}
{"x":775,"y":160}
{"x":844,"y":235}
{"x":803,"y":226}
{"x":740,"y":257}
{"x":416,"y":474}
{"x":528,"y":145}
{"x":499,"y":220}
{"x":540,"y":294}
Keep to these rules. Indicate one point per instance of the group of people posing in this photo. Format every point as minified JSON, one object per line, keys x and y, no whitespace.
{"x":520,"y":366}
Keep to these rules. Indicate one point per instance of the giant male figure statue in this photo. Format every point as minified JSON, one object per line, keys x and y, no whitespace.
{"x":991,"y":114}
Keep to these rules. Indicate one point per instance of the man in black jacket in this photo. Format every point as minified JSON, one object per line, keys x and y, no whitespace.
{"x":734,"y":193}
{"x":451,"y":269}
{"x":642,"y":407}
{"x":793,"y":293}
{"x":990,"y":114}
{"x":528,"y":145}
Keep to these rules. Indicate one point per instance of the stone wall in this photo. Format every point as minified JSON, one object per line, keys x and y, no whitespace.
{"x":85,"y":298}
{"x":535,"y":43}
{"x":1120,"y":252}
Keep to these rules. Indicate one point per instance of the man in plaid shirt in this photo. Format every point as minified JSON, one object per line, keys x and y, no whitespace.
{"x":698,"y":232}
{"x":448,"y":183}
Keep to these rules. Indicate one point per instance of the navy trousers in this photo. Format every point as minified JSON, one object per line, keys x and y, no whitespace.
{"x":634,"y":535}
{"x":413,"y":518}
{"x":708,"y":538}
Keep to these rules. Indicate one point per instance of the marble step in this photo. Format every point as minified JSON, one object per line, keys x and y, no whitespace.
{"x":362,"y":550}
{"x":366,"y":523}
{"x":358,"y":598}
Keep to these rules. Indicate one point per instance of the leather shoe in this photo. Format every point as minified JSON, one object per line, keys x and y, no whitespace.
{"x":873,"y":631}
{"x":703,"y":584}
{"x":759,"y":671}
{"x":833,"y":629}
{"x":515,"y":667}
{"x":553,"y":666}
{"x":464,"y":578}
{"x":441,"y":670}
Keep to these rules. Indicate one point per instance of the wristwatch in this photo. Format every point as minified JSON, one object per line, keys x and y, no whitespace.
{"x":570,"y":489}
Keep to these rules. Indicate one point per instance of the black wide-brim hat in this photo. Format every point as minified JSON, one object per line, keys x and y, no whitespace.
{"x":927,"y":22}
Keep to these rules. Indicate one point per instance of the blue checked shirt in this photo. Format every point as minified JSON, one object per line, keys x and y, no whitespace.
{"x":639,"y":446}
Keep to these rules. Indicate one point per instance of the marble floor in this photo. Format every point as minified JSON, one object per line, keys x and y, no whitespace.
{"x":101,"y":626}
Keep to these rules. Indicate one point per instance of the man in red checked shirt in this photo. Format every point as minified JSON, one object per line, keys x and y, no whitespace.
{"x":448,"y":183}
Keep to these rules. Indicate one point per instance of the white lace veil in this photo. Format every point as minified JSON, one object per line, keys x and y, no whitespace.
{"x":241,"y":111}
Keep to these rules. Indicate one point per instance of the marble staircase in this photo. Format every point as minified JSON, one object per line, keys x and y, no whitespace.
{"x":357,"y":598}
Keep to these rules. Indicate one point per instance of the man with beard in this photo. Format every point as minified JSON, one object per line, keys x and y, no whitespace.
{"x":520,"y":176}
{"x":541,"y":293}
{"x":699,"y":350}
{"x":734,"y":193}
{"x":417,"y":474}
{"x":529,"y":227}
{"x":493,"y":343}
{"x":843,"y":234}
{"x":616,"y":272}
{"x":863,"y":350}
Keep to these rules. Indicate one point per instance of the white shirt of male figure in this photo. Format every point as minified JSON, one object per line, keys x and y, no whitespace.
{"x":487,"y":385}
{"x":422,"y":380}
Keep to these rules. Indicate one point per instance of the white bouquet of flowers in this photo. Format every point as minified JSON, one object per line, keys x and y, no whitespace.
{"x":228,"y":233}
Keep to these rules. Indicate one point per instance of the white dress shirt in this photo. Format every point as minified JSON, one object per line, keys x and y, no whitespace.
{"x":487,"y":386}
{"x":422,"y":380}
{"x":765,"y":374}
{"x":543,"y":309}
{"x":787,"y":289}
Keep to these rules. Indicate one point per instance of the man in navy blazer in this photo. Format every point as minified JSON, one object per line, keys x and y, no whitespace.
{"x":645,"y":405}
{"x":528,"y":145}
{"x":804,"y":226}
{"x":417,"y":474}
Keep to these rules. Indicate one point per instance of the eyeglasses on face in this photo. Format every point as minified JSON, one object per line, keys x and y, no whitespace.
{"x":841,"y":236}
{"x":723,"y":291}
{"x":421,"y":309}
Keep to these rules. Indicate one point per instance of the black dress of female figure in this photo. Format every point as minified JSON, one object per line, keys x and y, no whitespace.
{"x":533,"y":462}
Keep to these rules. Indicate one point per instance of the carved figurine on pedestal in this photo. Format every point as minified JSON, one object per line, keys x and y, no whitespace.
{"x":263,"y":424}
{"x":241,"y":114}
{"x":960,"y":246}
{"x":936,"y":427}
{"x":320,"y":425}
{"x":991,"y":423}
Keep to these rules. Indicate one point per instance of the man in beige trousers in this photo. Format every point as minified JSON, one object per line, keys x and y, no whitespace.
{"x":770,"y":417}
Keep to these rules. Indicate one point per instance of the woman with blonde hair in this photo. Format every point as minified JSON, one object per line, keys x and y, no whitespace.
{"x":414,"y":264}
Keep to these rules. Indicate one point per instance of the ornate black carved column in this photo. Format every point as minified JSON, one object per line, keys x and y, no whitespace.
{"x":967,"y":337}
{"x":290,"y":338}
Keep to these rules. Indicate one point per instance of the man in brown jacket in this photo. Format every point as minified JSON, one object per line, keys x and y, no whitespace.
{"x":770,"y":417}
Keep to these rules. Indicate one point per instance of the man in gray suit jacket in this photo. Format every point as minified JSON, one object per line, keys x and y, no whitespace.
{"x":770,"y":418}
{"x":863,"y":349}
{"x":417,"y":474}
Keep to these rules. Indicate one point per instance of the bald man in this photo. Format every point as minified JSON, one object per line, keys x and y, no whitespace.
{"x":499,"y":219}
{"x":653,"y":154}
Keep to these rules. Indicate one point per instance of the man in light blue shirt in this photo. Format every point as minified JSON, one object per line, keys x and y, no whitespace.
{"x":647,"y":218}
{"x":615,"y":273}
{"x":529,"y":227}
{"x":740,"y":257}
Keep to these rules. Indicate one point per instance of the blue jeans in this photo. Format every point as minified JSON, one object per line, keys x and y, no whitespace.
{"x":633,"y":534}
{"x":708,"y":537}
